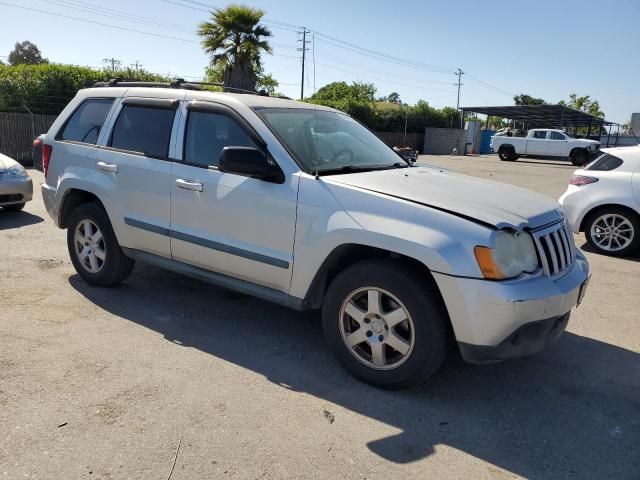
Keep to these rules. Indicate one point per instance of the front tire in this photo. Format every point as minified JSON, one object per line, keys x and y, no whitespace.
{"x":613,"y":231}
{"x":94,"y":249}
{"x":385,"y":323}
{"x":579,"y":157}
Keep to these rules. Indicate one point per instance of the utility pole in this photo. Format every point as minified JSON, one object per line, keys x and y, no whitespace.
{"x":136,"y":65}
{"x":115,"y":63}
{"x":459,"y":73}
{"x":304,"y":51}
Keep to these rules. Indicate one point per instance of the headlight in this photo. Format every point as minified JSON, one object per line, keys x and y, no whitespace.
{"x":512,"y":255}
{"x":17,"y":171}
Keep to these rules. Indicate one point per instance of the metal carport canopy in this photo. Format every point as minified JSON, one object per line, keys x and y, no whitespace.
{"x":542,"y":115}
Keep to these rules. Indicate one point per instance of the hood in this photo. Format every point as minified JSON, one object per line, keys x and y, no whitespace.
{"x":6,"y":162}
{"x":586,"y":140}
{"x":490,"y":203}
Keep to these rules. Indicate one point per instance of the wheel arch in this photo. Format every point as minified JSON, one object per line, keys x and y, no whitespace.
{"x":603,"y":207}
{"x":346,"y":255}
{"x":72,"y":199}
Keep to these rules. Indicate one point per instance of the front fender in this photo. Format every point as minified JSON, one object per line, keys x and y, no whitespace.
{"x":441,"y":241}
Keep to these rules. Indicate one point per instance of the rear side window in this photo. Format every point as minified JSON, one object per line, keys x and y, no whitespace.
{"x":208,"y":133}
{"x":86,"y":122}
{"x":146,"y":130}
{"x":540,"y":135}
{"x":605,"y":163}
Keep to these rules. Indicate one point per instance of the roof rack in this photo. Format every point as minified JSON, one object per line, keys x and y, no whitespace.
{"x":177,"y":83}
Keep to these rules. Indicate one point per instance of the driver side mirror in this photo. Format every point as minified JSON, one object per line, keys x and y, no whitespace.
{"x":250,"y":162}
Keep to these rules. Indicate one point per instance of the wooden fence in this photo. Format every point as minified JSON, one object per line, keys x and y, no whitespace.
{"x":19,"y":130}
{"x":398,"y":139}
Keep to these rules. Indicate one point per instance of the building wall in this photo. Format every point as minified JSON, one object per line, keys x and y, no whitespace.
{"x":623,"y":140}
{"x":441,"y":141}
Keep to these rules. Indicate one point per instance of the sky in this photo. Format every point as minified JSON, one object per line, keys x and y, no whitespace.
{"x":546,"y":49}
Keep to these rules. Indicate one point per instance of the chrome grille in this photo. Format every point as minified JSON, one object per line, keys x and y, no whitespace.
{"x":556,"y":248}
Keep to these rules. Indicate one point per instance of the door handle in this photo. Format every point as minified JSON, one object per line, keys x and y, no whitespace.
{"x":187,"y":185}
{"x":108,"y":167}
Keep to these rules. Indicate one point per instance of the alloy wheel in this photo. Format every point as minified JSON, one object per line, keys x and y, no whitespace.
{"x":89,"y":246}
{"x":377,"y":328}
{"x":612,"y":232}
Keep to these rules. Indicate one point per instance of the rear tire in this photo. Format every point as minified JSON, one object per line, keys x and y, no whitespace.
{"x":94,"y":249}
{"x":613,"y":231}
{"x":16,"y":207}
{"x":579,"y":157}
{"x":396,"y":342}
{"x":507,"y":154}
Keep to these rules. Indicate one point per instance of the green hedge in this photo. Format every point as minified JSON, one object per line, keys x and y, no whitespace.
{"x":47,"y":88}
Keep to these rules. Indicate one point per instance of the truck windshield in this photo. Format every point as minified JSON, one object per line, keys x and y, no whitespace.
{"x":329,"y":142}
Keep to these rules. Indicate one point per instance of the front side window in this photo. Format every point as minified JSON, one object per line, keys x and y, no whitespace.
{"x":540,"y":135}
{"x":86,"y":122}
{"x":208,"y":133}
{"x":605,"y":163}
{"x":146,"y":130}
{"x":323,"y":141}
{"x":557,"y":136}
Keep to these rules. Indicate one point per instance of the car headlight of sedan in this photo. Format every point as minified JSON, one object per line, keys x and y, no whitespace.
{"x":512,"y":255}
{"x":17,"y":171}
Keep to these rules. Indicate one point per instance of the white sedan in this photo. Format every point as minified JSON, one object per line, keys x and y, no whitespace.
{"x":603,"y":201}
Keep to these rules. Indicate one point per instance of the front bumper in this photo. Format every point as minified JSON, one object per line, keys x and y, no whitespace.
{"x":495,"y":320}
{"x":15,"y":190}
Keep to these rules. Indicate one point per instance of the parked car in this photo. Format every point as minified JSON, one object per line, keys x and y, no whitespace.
{"x":236,"y":190}
{"x":603,"y":201}
{"x":16,"y":188}
{"x":408,"y":153}
{"x":545,"y":143}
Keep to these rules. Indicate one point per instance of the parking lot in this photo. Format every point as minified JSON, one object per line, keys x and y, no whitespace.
{"x":123,"y":382}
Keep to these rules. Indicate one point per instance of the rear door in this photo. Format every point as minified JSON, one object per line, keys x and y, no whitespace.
{"x":136,"y":156}
{"x":231,"y":224}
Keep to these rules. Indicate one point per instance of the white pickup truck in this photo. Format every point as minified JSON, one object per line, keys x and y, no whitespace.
{"x":545,"y":143}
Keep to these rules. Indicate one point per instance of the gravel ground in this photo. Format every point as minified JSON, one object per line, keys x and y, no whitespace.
{"x":121,"y":383}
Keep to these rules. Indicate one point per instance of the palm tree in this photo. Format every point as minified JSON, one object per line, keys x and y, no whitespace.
{"x":235,"y":39}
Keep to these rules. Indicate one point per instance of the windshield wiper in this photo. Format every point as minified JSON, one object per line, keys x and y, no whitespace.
{"x":358,"y":168}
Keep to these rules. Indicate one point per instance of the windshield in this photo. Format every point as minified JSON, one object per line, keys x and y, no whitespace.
{"x":328,"y":142}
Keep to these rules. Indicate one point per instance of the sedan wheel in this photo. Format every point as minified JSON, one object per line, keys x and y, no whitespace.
{"x":377,"y":328}
{"x":613,"y":232}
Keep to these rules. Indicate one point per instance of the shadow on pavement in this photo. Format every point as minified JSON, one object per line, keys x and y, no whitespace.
{"x":17,"y":219}
{"x":634,"y":257}
{"x":569,"y":412}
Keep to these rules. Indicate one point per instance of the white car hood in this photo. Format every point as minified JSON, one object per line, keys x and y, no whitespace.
{"x":484,"y":201}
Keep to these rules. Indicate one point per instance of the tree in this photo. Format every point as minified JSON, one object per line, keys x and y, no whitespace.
{"x":585,"y":104}
{"x":235,"y":39}
{"x":394,"y":97}
{"x":524,"y":99}
{"x":26,"y":53}
{"x":48,"y":88}
{"x":264,"y":81}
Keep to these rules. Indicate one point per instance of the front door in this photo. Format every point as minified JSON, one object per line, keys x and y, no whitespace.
{"x":234,"y":225}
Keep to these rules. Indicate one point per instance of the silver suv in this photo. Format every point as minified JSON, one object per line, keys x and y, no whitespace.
{"x":301,"y":205}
